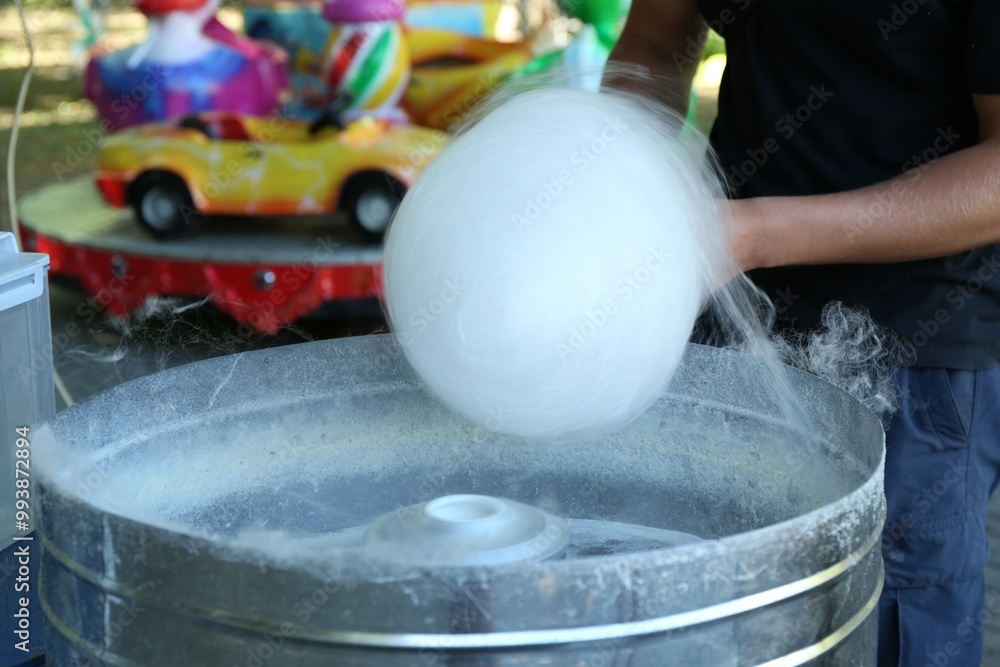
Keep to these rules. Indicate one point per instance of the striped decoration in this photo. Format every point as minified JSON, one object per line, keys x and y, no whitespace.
{"x":369,"y":61}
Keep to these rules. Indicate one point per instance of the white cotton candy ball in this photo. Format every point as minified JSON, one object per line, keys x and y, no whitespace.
{"x":545,"y":272}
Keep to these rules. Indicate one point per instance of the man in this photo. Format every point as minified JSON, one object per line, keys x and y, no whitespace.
{"x":861,"y":140}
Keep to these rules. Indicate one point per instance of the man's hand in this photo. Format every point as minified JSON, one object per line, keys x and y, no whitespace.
{"x":668,"y":37}
{"x":948,"y":206}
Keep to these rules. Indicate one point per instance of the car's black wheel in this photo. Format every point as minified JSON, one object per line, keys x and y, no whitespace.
{"x":370,"y":202}
{"x":163,"y":205}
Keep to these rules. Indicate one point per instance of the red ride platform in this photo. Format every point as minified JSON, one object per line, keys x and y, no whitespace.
{"x":264,"y":272}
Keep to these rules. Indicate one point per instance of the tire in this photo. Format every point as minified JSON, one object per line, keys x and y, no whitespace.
{"x":163,"y":205}
{"x":370,"y":202}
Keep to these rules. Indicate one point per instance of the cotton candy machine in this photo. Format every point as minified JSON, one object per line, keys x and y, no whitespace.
{"x":312,"y":505}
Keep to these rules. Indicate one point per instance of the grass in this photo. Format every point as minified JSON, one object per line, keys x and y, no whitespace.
{"x":56,"y":115}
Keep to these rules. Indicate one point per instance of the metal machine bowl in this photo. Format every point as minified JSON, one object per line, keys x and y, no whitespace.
{"x":261,"y":509}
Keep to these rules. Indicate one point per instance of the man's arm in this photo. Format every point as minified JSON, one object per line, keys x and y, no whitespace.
{"x":948,"y":206}
{"x":668,"y":37}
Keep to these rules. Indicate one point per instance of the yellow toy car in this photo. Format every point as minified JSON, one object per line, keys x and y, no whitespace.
{"x":174,"y":173}
{"x":452,"y":73}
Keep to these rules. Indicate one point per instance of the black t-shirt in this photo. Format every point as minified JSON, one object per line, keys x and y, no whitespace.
{"x":823,"y":96}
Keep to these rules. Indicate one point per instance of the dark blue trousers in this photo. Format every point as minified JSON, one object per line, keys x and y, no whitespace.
{"x":942,"y":464}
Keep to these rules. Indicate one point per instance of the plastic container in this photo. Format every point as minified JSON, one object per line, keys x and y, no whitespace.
{"x":26,"y":399}
{"x":26,"y":392}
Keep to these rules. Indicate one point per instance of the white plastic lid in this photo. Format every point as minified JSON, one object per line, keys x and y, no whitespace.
{"x":468,"y":529}
{"x":22,"y":274}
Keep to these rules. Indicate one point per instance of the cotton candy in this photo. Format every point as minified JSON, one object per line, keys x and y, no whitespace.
{"x":544,"y":273}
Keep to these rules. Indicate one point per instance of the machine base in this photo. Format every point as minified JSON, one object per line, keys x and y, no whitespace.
{"x":264,"y":272}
